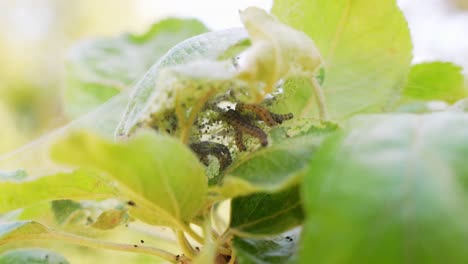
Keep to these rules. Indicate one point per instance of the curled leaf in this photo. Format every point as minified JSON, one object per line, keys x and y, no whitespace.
{"x":278,"y":51}
{"x":100,"y":68}
{"x":208,"y":46}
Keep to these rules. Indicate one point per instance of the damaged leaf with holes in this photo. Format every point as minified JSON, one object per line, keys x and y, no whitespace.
{"x":200,"y":102}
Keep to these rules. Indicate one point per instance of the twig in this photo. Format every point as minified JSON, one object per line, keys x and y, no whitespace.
{"x":100,"y":244}
{"x":185,"y":245}
{"x":233,"y":258}
{"x":193,"y":234}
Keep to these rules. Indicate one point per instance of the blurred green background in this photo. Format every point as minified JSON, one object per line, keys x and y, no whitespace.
{"x":34,"y":39}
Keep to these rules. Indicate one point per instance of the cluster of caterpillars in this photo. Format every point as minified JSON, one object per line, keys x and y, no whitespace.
{"x":243,"y":120}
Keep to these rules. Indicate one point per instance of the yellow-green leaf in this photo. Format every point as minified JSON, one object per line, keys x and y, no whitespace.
{"x":76,"y":185}
{"x":366,"y":49}
{"x":389,"y":189}
{"x":435,"y":81}
{"x":277,"y":50}
{"x":32,"y":256}
{"x":162,"y":178}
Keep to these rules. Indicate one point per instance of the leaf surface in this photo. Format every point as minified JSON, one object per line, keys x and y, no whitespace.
{"x":389,"y":189}
{"x":275,"y":250}
{"x":162,"y":178}
{"x":208,"y":47}
{"x":366,"y":50}
{"x":32,"y":256}
{"x":435,"y":81}
{"x":263,"y":214}
{"x":100,"y":68}
{"x":270,"y":169}
{"x":76,"y":185}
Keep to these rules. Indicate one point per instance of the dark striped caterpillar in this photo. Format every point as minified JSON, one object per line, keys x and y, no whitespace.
{"x":242,"y":124}
{"x":261,"y":113}
{"x":241,"y":121}
{"x":220,"y":151}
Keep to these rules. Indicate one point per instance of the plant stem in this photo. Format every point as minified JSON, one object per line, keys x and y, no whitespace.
{"x":95,"y":243}
{"x":193,"y":234}
{"x":185,"y":245}
{"x":233,"y":258}
{"x":320,"y":96}
{"x":224,"y":251}
{"x":224,"y":238}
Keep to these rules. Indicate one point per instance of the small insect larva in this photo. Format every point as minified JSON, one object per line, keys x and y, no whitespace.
{"x":131,"y":203}
{"x":220,"y":151}
{"x":256,"y":132}
{"x":242,"y":124}
{"x":239,"y":140}
{"x":279,"y":118}
{"x":260,"y":112}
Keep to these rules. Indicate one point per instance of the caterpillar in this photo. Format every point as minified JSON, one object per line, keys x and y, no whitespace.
{"x":279,"y":118}
{"x":220,"y":151}
{"x":260,"y":112}
{"x":241,"y":124}
{"x":239,"y":140}
{"x":270,"y":119}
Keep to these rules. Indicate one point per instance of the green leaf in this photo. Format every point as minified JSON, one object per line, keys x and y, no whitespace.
{"x":277,"y":51}
{"x":16,"y":175}
{"x":105,"y":214}
{"x":76,"y":185}
{"x":32,"y":256}
{"x":276,"y":250}
{"x":206,"y":47}
{"x":162,"y":178}
{"x":264,"y":214}
{"x":21,"y":230}
{"x":26,"y":231}
{"x":389,"y":189}
{"x":62,"y":209}
{"x":269,"y":169}
{"x":435,"y":81}
{"x":366,"y":50}
{"x":99,"y":69}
